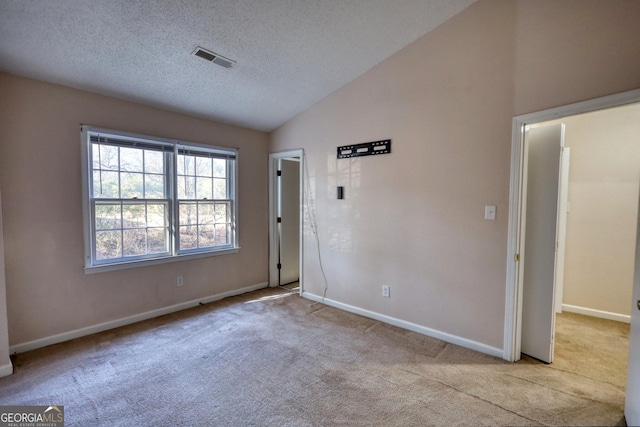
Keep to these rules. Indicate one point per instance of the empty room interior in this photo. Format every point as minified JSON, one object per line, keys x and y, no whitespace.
{"x":303,"y":213}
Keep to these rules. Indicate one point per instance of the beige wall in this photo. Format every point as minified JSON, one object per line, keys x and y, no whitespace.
{"x":47,"y":290}
{"x":413,"y":219}
{"x":604,"y":179}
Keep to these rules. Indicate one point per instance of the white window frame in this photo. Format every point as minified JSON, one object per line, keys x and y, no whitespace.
{"x":92,"y":265}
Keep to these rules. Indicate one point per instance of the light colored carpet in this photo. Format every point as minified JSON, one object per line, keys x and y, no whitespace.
{"x":592,"y":347}
{"x":272,"y":358}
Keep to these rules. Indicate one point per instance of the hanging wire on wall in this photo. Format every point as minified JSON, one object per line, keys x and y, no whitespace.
{"x":311,"y":214}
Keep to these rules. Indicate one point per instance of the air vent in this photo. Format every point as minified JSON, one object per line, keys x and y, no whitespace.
{"x":213,"y":57}
{"x":204,"y":54}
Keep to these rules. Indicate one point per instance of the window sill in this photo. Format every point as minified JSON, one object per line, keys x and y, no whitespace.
{"x":156,"y":261}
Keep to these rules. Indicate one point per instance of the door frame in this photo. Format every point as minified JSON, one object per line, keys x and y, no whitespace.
{"x":273,"y":214}
{"x":515,"y":243}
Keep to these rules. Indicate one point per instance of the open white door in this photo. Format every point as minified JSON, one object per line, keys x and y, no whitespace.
{"x":563,"y":209}
{"x":632,"y":400}
{"x":543,"y":146}
{"x":289,"y":212}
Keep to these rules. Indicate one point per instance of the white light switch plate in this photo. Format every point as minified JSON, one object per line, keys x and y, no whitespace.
{"x":489,"y":212}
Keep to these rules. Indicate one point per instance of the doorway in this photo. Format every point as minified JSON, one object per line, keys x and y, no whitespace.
{"x":590,"y":330}
{"x":517,"y":219}
{"x":285,"y":219}
{"x":516,"y":247}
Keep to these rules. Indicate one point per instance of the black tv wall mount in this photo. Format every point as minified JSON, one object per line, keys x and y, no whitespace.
{"x":365,"y":149}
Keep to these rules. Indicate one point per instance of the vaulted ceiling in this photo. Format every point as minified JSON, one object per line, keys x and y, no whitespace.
{"x":289,"y":53}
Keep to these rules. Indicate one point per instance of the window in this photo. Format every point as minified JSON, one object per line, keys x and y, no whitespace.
{"x":154,"y":199}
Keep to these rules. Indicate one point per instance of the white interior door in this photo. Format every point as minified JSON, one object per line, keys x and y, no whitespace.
{"x":632,"y":399}
{"x":289,"y":211}
{"x":543,"y":146}
{"x":563,"y":210}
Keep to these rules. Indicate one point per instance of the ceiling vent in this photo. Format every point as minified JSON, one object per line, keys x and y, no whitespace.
{"x":214,"y":57}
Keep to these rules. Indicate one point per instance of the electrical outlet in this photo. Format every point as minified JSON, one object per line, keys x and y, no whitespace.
{"x":180,"y":281}
{"x":386,"y":291}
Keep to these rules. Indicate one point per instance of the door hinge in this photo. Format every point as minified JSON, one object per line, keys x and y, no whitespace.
{"x":279,"y":266}
{"x":279,"y":219}
{"x":516,"y":257}
{"x":279,"y":173}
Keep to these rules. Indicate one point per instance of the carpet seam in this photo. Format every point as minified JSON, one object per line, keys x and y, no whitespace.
{"x":478,"y":397}
{"x":315,"y":311}
{"x":446,"y":347}
{"x":564,"y":392}
{"x":584,"y":376}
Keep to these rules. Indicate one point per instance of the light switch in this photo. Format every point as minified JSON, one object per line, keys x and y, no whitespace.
{"x":489,"y":212}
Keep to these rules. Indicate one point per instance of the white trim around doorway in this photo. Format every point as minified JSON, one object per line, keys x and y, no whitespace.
{"x":273,"y":214}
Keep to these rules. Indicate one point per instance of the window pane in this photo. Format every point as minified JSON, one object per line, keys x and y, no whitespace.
{"x":108,"y":244}
{"x":134,"y":242}
{"x":157,"y":240}
{"x":108,"y":216}
{"x":186,"y":187}
{"x":133,"y":216}
{"x":203,"y":166}
{"x":186,"y":165}
{"x":131,"y":185}
{"x":153,"y":162}
{"x":219,"y":188}
{"x":207,"y":236}
{"x":153,"y":186}
{"x":95,"y":156}
{"x":156,"y":216}
{"x":222,"y":234}
{"x":188,"y":213}
{"x":221,"y":212}
{"x":219,"y":168}
{"x":206,"y":213}
{"x":204,"y":188}
{"x":105,"y":157}
{"x":188,"y":237}
{"x":131,"y":159}
{"x":105,"y":185}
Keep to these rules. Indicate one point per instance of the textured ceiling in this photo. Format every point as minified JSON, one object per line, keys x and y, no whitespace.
{"x":289,"y":53}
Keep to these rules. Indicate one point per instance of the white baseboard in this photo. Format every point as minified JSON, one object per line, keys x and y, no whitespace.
{"x":6,"y":370}
{"x":77,"y":333}
{"x":453,"y":339}
{"x":596,"y":313}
